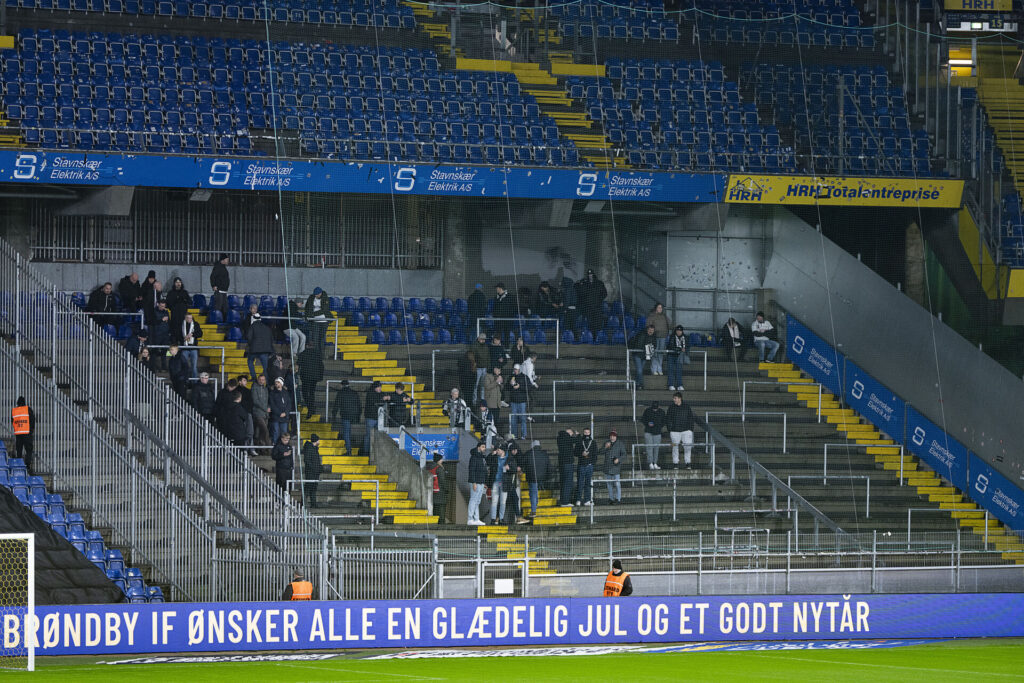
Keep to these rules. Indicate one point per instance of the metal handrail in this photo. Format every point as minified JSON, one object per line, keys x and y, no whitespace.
{"x":743,"y":399}
{"x":555,"y":416}
{"x":910,"y":512}
{"x":433,"y":365}
{"x":524,"y":321}
{"x":866,"y":478}
{"x":297,"y":484}
{"x":629,"y":368}
{"x":744,"y":414}
{"x":824,"y":469}
{"x":630,"y":385}
{"x":336,"y":320}
{"x":327,"y":392}
{"x":197,"y":347}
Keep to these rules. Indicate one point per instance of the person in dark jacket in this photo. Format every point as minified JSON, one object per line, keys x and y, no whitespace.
{"x":614,"y":455}
{"x":482,"y":361}
{"x":152,"y":296}
{"x":234,"y":420}
{"x":535,"y":464}
{"x":548,"y":303}
{"x":203,"y":397}
{"x":375,"y":398}
{"x":347,"y":409}
{"x":477,"y":308}
{"x":498,"y":354}
{"x":188,"y":332}
{"x":311,"y":373}
{"x":586,"y":456}
{"x":478,"y":484}
{"x":504,"y":308}
{"x":283,"y":460}
{"x":225,"y":398}
{"x":220,"y":282}
{"x":679,"y":423}
{"x":510,"y":485}
{"x":517,"y":397}
{"x":734,"y":339}
{"x":130,"y":291}
{"x":178,"y":370}
{"x":260,"y":412}
{"x":178,"y":301}
{"x":259,"y":344}
{"x":439,"y":484}
{"x":23,"y":422}
{"x":484,"y":420}
{"x":590,"y":295}
{"x":102,"y":301}
{"x":677,"y":354}
{"x":642,"y":347}
{"x":136,"y":342}
{"x":312,"y":468}
{"x":567,"y":465}
{"x":246,"y":392}
{"x":160,"y":335}
{"x":467,"y":374}
{"x":281,"y":404}
{"x":654,"y":424}
{"x":400,"y":407}
{"x":317,"y":316}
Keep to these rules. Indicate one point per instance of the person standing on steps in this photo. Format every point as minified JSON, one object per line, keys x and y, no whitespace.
{"x":586,"y":454}
{"x":259,"y":344}
{"x":281,"y":404}
{"x":188,"y":333}
{"x":614,"y":454}
{"x":482,"y":361}
{"x":677,"y":358}
{"x":130,"y":291}
{"x":504,"y":309}
{"x":641,"y":347}
{"x":654,"y":424}
{"x":590,"y":295}
{"x":661,"y":324}
{"x":178,"y":301}
{"x":316,"y":311}
{"x":284,"y":463}
{"x":312,"y":468}
{"x":478,"y":484}
{"x":220,"y":282}
{"x":617,"y":583}
{"x":260,"y":412}
{"x":23,"y":420}
{"x":734,"y":339}
{"x":679,"y":422}
{"x":347,"y":409}
{"x":203,"y":399}
{"x":476,"y":309}
{"x":375,"y":398}
{"x":566,"y":441}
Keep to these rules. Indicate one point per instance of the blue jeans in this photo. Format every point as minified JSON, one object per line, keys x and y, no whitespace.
{"x":534,"y":490}
{"x":192,"y":356}
{"x":638,"y":365}
{"x":276,"y":430}
{"x":770,"y":344}
{"x":517,"y":414}
{"x":264,"y":363}
{"x":657,"y":358}
{"x":346,"y":434}
{"x":675,"y":368}
{"x":498,"y":498}
{"x":586,"y":473}
{"x":473,"y":510}
{"x":370,"y":426}
{"x":568,"y":488}
{"x":614,"y":488}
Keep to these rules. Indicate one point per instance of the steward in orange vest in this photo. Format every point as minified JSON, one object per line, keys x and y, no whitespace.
{"x":617,"y":582}
{"x":298,"y":589}
{"x":23,"y":421}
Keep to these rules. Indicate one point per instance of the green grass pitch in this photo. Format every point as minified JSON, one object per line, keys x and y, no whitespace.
{"x":964,"y":660}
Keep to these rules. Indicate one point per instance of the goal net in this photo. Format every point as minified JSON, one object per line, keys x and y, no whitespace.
{"x":17,"y":600}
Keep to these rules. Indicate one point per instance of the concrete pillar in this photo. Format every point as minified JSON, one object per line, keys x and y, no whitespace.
{"x":454,"y":283}
{"x":16,"y":220}
{"x":601,"y":256}
{"x":914,"y":282}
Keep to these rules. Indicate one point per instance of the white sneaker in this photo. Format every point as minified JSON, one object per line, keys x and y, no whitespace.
{"x":681,"y":388}
{"x":655,"y":467}
{"x":475,"y":522}
{"x":503,"y":404}
{"x":590,"y":503}
{"x":671,"y":388}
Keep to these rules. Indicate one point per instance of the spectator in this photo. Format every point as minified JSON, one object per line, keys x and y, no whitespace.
{"x":494,"y":384}
{"x":614,"y":454}
{"x":482,"y":360}
{"x":504,"y":311}
{"x":529,"y":369}
{"x":222,"y":406}
{"x":498,"y":356}
{"x":281,"y":404}
{"x":130,"y":291}
{"x":178,"y":370}
{"x":234,"y":420}
{"x":259,"y":344}
{"x":23,"y":423}
{"x":477,"y":483}
{"x":260,"y":411}
{"x":524,"y":300}
{"x":764,"y":338}
{"x":455,"y":408}
{"x":137,"y":342}
{"x":439,"y":486}
{"x":316,"y":315}
{"x":277,"y":369}
{"x":189,"y":333}
{"x":348,"y":409}
{"x":734,"y":338}
{"x":477,"y":308}
{"x":102,"y":301}
{"x":520,"y":352}
{"x":590,"y":294}
{"x":654,"y":424}
{"x":586,"y":454}
{"x":311,"y":373}
{"x":536,"y":463}
{"x":312,"y":468}
{"x":677,"y":358}
{"x":548,"y":303}
{"x":679,"y":422}
{"x":400,"y":407}
{"x":517,"y":397}
{"x":152,"y":297}
{"x":510,"y":486}
{"x":496,"y":476}
{"x":570,"y":299}
{"x":641,"y":348}
{"x":246,"y":392}
{"x":567,"y":465}
{"x":220,"y":282}
{"x":660,"y":320}
{"x":283,"y":461}
{"x":290,"y":328}
{"x":203,"y":397}
{"x":247,"y":320}
{"x":485,"y":420}
{"x":146,"y":359}
{"x":160,"y":335}
{"x":375,"y":398}
{"x":467,"y":374}
{"x":178,"y":302}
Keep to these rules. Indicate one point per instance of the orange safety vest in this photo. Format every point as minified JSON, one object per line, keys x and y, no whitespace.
{"x":19,"y":416}
{"x":302,"y":590}
{"x":613,"y":584}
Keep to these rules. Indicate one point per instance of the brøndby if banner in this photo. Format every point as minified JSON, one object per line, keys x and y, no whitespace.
{"x":254,"y":626}
{"x":933,"y":193}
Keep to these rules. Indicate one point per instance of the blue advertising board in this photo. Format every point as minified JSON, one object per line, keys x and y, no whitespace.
{"x":374,"y":177}
{"x":939,"y":450}
{"x":874,"y":401}
{"x":255,"y":626}
{"x":446,"y":444}
{"x":814,"y":355}
{"x":996,"y":493}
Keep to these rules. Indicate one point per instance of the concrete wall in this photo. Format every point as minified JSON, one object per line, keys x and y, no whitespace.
{"x":254,"y":280}
{"x":401,"y":467}
{"x":922,"y":360}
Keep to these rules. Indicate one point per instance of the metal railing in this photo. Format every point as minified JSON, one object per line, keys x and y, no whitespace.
{"x":629,"y":364}
{"x":743,"y":414}
{"x":523,"y":322}
{"x":327,"y":393}
{"x":197,"y":349}
{"x":630,"y":385}
{"x":824,"y":468}
{"x":433,"y":364}
{"x":338,"y":320}
{"x":911,"y":511}
{"x":555,"y":415}
{"x":867,"y":483}
{"x":743,"y":395}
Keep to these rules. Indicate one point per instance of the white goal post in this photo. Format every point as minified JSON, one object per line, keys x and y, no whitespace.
{"x":17,"y":601}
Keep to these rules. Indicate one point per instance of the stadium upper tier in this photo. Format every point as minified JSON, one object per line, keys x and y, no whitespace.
{"x":368,"y":13}
{"x":617,"y":19}
{"x":825,"y":23}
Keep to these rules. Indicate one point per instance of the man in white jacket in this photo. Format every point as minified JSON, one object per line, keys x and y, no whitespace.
{"x":762,"y":332}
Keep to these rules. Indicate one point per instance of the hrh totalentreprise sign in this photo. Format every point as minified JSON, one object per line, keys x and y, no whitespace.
{"x":932,"y":193}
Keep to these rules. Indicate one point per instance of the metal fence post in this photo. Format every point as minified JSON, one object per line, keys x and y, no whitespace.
{"x":674,"y":481}
{"x":874,"y":560}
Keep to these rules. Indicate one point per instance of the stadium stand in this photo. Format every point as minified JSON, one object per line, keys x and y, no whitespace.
{"x":617,"y":20}
{"x":821,"y":23}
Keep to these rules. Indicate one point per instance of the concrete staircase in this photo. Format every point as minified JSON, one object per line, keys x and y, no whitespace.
{"x":1003,"y":98}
